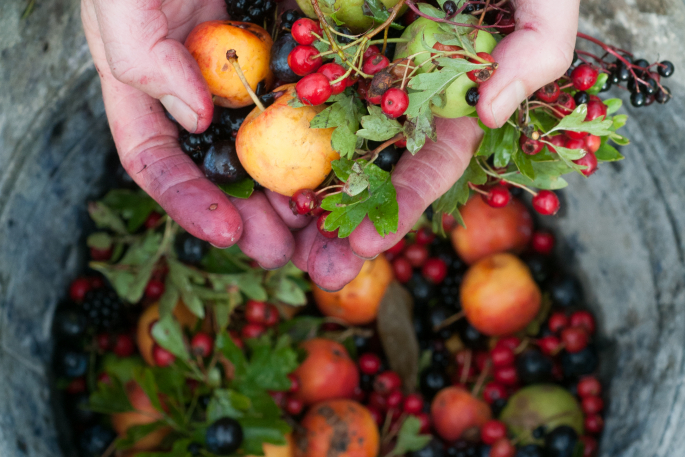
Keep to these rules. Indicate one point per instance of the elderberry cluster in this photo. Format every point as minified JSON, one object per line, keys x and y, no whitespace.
{"x":255,"y":11}
{"x":642,"y":80}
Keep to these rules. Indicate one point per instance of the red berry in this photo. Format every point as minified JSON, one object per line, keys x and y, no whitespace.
{"x":503,"y":448}
{"x":589,"y":387}
{"x":374,"y":64}
{"x":549,"y":93}
{"x":434,"y":270}
{"x":592,"y":143}
{"x":506,"y":376}
{"x":235,"y":337}
{"x":402,"y":269}
{"x":333,"y":71}
{"x":202,"y":344}
{"x":124,"y":346}
{"x":483,"y":74}
{"x":589,"y":162}
{"x":374,"y":100}
{"x":583,"y":319}
{"x":542,"y":242}
{"x":358,"y":395}
{"x":302,"y":31}
{"x":394,"y":102}
{"x":595,"y":110}
{"x":592,"y":405}
{"x":378,"y":401}
{"x":103,"y":378}
{"x":546,"y":203}
{"x":394,"y":399}
{"x":255,"y":312}
{"x":493,"y":431}
{"x":575,"y":339}
{"x":76,"y":386}
{"x":304,"y":60}
{"x":78,"y":289}
{"x":565,"y":105}
{"x":425,"y":420}
{"x":154,"y":289}
{"x":557,"y":322}
{"x":549,"y":345}
{"x":481,"y":359}
{"x":320,"y":225}
{"x":100,"y":255}
{"x":502,"y":356}
{"x":103,"y":341}
{"x":398,"y":248}
{"x":371,"y":51}
{"x":271,"y":317}
{"x":590,"y":446}
{"x":512,"y":342}
{"x":494,"y":391}
{"x":376,"y":415}
{"x":97,"y":282}
{"x":294,"y":406}
{"x":152,"y":220}
{"x":498,"y":196}
{"x":303,"y":201}
{"x":369,"y":363}
{"x":424,"y":236}
{"x":505,"y":25}
{"x":530,"y":146}
{"x":278,"y":397}
{"x":594,"y":424}
{"x":584,"y":76}
{"x":401,"y":143}
{"x":294,"y":384}
{"x":576,"y":135}
{"x":162,"y":357}
{"x":410,"y":17}
{"x":314,"y":89}
{"x":416,"y":254}
{"x":412,"y":404}
{"x":252,"y":331}
{"x":557,"y":140}
{"x":386,"y":382}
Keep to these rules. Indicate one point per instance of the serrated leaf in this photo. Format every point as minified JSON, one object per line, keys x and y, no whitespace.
{"x":344,"y":141}
{"x":99,"y":240}
{"x":575,"y":122}
{"x":597,"y":87}
{"x":619,"y":121}
{"x":343,"y":115}
{"x":109,"y":398}
{"x":523,"y":163}
{"x":225,"y":345}
{"x":242,"y":189}
{"x":607,"y":153}
{"x":418,"y":128}
{"x":105,"y":218}
{"x":168,"y":334}
{"x":458,"y":194}
{"x":356,"y":184}
{"x":437,"y":84}
{"x":227,"y":403}
{"x":459,"y":65}
{"x":501,"y":142}
{"x":409,"y":438}
{"x":377,"y":126}
{"x":181,"y":276}
{"x":430,"y":10}
{"x":613,"y":105}
{"x":257,"y":431}
{"x":435,"y":81}
{"x":136,"y":433}
{"x":570,"y":154}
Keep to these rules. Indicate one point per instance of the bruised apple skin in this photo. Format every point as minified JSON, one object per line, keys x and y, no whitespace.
{"x":337,"y":428}
{"x":144,"y":414}
{"x":499,"y":296}
{"x":149,"y":317}
{"x":208,"y":44}
{"x":279,"y":149}
{"x":357,"y":303}
{"x":491,"y":230}
{"x":327,"y":373}
{"x":455,"y":411}
{"x":348,"y":11}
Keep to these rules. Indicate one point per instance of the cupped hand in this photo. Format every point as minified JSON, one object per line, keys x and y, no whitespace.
{"x":539,"y":51}
{"x":137,"y":48}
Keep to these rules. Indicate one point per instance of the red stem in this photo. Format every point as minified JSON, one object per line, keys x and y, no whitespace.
{"x":413,"y":7}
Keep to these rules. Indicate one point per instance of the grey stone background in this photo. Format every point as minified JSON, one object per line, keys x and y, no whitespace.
{"x":624,"y":229}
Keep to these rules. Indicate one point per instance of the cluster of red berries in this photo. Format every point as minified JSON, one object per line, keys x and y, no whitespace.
{"x":306,"y":202}
{"x":568,"y":332}
{"x":405,"y":257}
{"x":288,"y":401}
{"x":259,"y":316}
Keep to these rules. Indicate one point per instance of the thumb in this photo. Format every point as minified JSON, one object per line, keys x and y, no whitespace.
{"x":539,"y":51}
{"x":140,"y":54}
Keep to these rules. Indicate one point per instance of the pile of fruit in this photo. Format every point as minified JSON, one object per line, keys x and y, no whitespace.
{"x":343,"y":87}
{"x":472,"y":345}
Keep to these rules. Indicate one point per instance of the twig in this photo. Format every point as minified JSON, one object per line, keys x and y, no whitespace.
{"x":481,"y":378}
{"x":233,"y":59}
{"x":450,"y":320}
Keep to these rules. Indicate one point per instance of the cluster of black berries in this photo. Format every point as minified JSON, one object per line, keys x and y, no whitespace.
{"x":255,"y":11}
{"x":647,"y":88}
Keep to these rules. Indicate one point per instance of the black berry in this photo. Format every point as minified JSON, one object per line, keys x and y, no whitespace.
{"x":449,"y":7}
{"x":565,"y":291}
{"x":433,"y":379}
{"x":638,"y":99}
{"x":232,"y":119}
{"x":561,"y":442}
{"x":71,"y":363}
{"x":579,"y":363}
{"x":95,"y":440}
{"x":69,"y":324}
{"x":581,"y":97}
{"x":434,"y":448}
{"x":190,"y":249}
{"x":388,"y":158}
{"x":224,"y":436}
{"x":533,"y":367}
{"x":663,"y":95}
{"x":103,"y":309}
{"x":221,"y":164}
{"x":665,"y":68}
{"x":254,"y":11}
{"x":472,"y":96}
{"x":279,"y":59}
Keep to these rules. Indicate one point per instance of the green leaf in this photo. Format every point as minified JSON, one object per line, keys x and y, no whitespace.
{"x":458,"y":194}
{"x":99,"y":240}
{"x":269,"y":367}
{"x":105,"y":218}
{"x":343,"y":115}
{"x":227,"y":403}
{"x":431,"y":11}
{"x":257,"y":431}
{"x":301,"y":328}
{"x":133,"y":206}
{"x":523,"y":163}
{"x":286,"y":290}
{"x":169,"y":299}
{"x":459,"y":65}
{"x":110,"y":398}
{"x":418,"y":128}
{"x":501,"y":142}
{"x":409,"y":438}
{"x":121,"y":368}
{"x":242,"y":189}
{"x":225,"y":345}
{"x":619,"y":121}
{"x":377,"y":126}
{"x":295,"y":103}
{"x":613,"y":105}
{"x":181,"y":276}
{"x":597,"y":87}
{"x":344,"y":141}
{"x":146,"y":380}
{"x":379,"y":203}
{"x":570,"y":154}
{"x":428,"y":85}
{"x":137,"y":433}
{"x":619,"y":139}
{"x":607,"y":153}
{"x":575,"y":122}
{"x":168,"y":334}
{"x":376,"y":10}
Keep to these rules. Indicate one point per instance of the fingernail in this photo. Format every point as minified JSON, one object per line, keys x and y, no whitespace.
{"x":181,"y":112}
{"x":507,"y":101}
{"x":219,"y":247}
{"x":365,"y":258}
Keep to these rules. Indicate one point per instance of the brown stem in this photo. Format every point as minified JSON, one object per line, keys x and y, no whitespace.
{"x":450,"y":320}
{"x":373,"y":154}
{"x":233,"y":59}
{"x":465,"y":370}
{"x":481,"y":379}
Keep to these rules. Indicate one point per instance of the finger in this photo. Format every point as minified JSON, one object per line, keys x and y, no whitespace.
{"x":539,"y":51}
{"x":420,"y":180}
{"x":304,"y":239}
{"x":142,"y":52}
{"x":281,"y":204}
{"x":265,"y":238}
{"x":332,"y":264}
{"x":147,"y":143}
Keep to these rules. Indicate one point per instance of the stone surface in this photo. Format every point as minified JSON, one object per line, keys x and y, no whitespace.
{"x":623,"y":229}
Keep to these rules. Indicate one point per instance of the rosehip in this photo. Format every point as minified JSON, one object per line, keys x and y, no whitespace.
{"x":584,"y":77}
{"x":303,"y":201}
{"x":589,"y":387}
{"x":549,"y":93}
{"x":575,"y":339}
{"x":333,"y":71}
{"x":374,"y":64}
{"x":542,"y":242}
{"x":483,"y":74}
{"x":369,"y":363}
{"x":434,"y":270}
{"x":78,"y":289}
{"x":546,"y":203}
{"x":557,"y":322}
{"x":529,"y":145}
{"x":162,"y":357}
{"x":589,"y":162}
{"x":394,"y":102}
{"x":412,"y":404}
{"x":492,"y":431}
{"x":202,"y":344}
{"x":402,"y":269}
{"x":320,"y":225}
{"x":416,"y":254}
{"x":304,"y":60}
{"x":302,"y":31}
{"x":583,"y":319}
{"x":313,"y":89}
{"x":386,"y":382}
{"x":592,"y":405}
{"x":498,"y":196}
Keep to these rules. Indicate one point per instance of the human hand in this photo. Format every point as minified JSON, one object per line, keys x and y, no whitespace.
{"x":137,"y":48}
{"x":538,"y":52}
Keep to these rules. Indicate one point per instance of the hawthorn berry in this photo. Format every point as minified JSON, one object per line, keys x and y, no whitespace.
{"x":424,"y":236}
{"x":506,"y":375}
{"x":416,"y":254}
{"x":386,"y":382}
{"x":154,"y":289}
{"x":594,"y":424}
{"x":556,"y":140}
{"x":294,"y":384}
{"x":100,"y":255}
{"x":584,"y":77}
{"x":502,"y":448}
{"x":78,"y":289}
{"x":529,"y":145}
{"x":583,"y":319}
{"x":369,"y":363}
{"x":304,"y":60}
{"x":590,"y":446}
{"x":313,"y":89}
{"x":502,"y":356}
{"x":595,"y":110}
{"x":320,"y":224}
{"x":202,"y":344}
{"x":412,"y":404}
{"x":394,"y":399}
{"x":589,"y":387}
{"x":575,"y":339}
{"x":302,"y":31}
{"x":252,"y":331}
{"x":592,"y":143}
{"x":152,"y":220}
{"x":371,"y":51}
{"x":512,"y":342}
{"x":303,"y":201}
{"x":565,"y":105}
{"x":589,"y":161}
{"x":542,"y":242}
{"x":494,"y":391}
{"x":434,"y":270}
{"x":271,"y":317}
{"x":549,"y":93}
{"x":397,"y":248}
{"x":402,"y":269}
{"x":374,"y":64}
{"x":492,"y":431}
{"x":377,"y":416}
{"x":483,"y":74}
{"x":333,"y":71}
{"x":425,"y":421}
{"x":124,"y":346}
{"x":294,"y":406}
{"x":576,"y":135}
{"x":557,"y":322}
{"x":377,"y":401}
{"x":162,"y":357}
{"x":394,"y":102}
{"x":255,"y":312}
{"x":549,"y":345}
{"x":592,"y":405}
{"x":546,"y":203}
{"x":498,"y":196}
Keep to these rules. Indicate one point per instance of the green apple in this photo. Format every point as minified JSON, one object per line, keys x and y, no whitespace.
{"x":348,"y":11}
{"x":541,"y":404}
